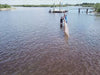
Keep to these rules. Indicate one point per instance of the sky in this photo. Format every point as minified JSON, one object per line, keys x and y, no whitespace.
{"x":37,"y":2}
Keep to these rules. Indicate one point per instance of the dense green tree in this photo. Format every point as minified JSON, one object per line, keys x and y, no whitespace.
{"x":4,"y":6}
{"x":97,"y":7}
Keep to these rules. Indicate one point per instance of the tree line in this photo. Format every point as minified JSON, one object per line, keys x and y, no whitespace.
{"x":5,"y":6}
{"x":94,"y":5}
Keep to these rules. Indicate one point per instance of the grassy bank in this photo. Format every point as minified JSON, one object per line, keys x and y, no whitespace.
{"x":39,"y":5}
{"x":5,"y":6}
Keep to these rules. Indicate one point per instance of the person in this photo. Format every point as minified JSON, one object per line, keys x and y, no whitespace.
{"x":65,"y":17}
{"x":61,"y":21}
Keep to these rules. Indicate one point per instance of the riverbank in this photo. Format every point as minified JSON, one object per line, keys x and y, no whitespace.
{"x":95,"y":6}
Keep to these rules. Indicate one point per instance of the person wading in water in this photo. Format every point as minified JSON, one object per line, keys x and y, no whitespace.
{"x":61,"y":22}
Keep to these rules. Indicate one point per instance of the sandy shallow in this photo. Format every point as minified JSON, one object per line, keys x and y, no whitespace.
{"x":4,"y":9}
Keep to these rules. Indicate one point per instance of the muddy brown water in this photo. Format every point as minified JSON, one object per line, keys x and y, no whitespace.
{"x":32,"y":43}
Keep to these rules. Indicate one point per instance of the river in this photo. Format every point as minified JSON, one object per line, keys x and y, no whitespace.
{"x":32,"y":42}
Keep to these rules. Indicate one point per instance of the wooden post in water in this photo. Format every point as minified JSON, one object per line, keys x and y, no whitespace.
{"x":78,"y":10}
{"x":87,"y":10}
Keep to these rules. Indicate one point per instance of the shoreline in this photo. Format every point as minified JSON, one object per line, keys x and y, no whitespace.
{"x":5,"y":9}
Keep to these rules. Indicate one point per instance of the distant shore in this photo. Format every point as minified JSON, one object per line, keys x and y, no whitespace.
{"x":96,"y":6}
{"x":40,"y":5}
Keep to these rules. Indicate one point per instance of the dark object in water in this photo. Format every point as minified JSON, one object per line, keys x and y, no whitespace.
{"x":61,"y":22}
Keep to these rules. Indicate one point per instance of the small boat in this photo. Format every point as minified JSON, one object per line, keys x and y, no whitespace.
{"x":57,"y":10}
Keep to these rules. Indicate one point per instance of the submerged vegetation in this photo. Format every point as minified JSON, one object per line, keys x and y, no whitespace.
{"x":5,"y":6}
